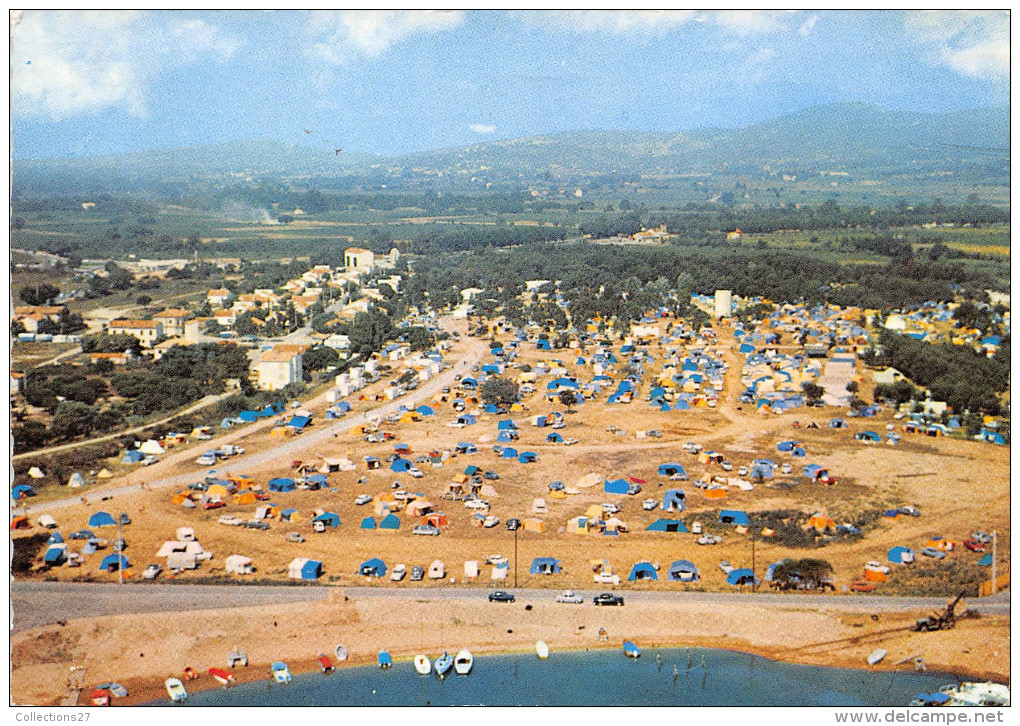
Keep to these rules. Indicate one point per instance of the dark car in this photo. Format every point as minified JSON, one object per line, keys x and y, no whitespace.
{"x":82,"y":534}
{"x":501,"y":596}
{"x":974,"y":545}
{"x":491,"y":475}
{"x":608,"y":598}
{"x":124,"y":518}
{"x":198,"y":486}
{"x":417,"y":573}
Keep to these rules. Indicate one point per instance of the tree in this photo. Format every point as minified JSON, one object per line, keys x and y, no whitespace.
{"x":72,"y":419}
{"x":42,"y":294}
{"x":813,"y":391}
{"x":809,"y":572}
{"x":500,"y":391}
{"x":568,"y":399}
{"x":319,"y":358}
{"x":853,"y":387}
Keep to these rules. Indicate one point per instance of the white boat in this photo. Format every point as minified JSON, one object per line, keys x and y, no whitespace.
{"x":422,"y":665}
{"x":443,"y":664}
{"x":463,"y":662}
{"x":542,"y":650}
{"x":876,"y":656}
{"x":280,"y":672}
{"x":977,"y":694}
{"x":340,"y":652}
{"x":630,"y":650}
{"x":175,"y":689}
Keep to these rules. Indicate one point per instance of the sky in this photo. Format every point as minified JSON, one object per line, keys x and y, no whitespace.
{"x":88,"y":83}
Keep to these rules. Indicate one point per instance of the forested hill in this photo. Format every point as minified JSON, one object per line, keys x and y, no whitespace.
{"x":852,"y":142}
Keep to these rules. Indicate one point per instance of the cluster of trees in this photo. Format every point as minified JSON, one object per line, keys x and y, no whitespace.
{"x":41,"y":294}
{"x":499,"y":391}
{"x":962,"y":377}
{"x":603,"y":226}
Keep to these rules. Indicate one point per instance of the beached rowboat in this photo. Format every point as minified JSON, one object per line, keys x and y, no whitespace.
{"x":385,"y":660}
{"x":463,"y":662}
{"x":175,"y":689}
{"x":225,"y":677}
{"x":630,"y":650}
{"x":422,"y":665}
{"x":340,"y":652}
{"x":280,"y":672}
{"x":443,"y":664}
{"x":542,"y":650}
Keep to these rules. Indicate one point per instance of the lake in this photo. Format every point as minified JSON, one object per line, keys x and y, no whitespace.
{"x":703,"y":677}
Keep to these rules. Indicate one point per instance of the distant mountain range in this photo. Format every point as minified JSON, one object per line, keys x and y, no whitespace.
{"x":860,"y":139}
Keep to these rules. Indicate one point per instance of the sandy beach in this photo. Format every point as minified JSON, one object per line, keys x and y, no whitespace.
{"x":142,"y":650}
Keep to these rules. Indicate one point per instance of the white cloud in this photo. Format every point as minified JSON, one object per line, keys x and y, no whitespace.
{"x":482,"y":128}
{"x":658,"y":22}
{"x":973,"y":43}
{"x":808,"y":25}
{"x":349,"y":33}
{"x":70,"y":62}
{"x":750,"y":22}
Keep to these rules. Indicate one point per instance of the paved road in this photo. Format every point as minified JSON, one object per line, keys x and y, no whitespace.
{"x":292,"y":448}
{"x":40,"y":603}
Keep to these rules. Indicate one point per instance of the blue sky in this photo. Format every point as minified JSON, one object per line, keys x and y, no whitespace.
{"x":90,"y":83}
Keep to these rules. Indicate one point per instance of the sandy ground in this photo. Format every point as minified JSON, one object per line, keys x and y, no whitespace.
{"x":960,"y":486}
{"x":142,"y":650}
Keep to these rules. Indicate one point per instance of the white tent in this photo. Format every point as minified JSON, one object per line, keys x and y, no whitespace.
{"x":47,"y":521}
{"x":185,"y":534}
{"x":239,"y":565}
{"x":487,"y":491}
{"x":76,"y":480}
{"x":36,"y":473}
{"x":471,"y":568}
{"x":500,"y":573}
{"x":152,"y":447}
{"x":589,"y":480}
{"x":181,"y":561}
{"x":437,"y":570}
{"x":539,"y":506}
{"x":740,"y":483}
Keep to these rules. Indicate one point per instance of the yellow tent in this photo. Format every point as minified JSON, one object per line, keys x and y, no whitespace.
{"x":534,"y":525}
{"x":517,"y":407}
{"x":218,"y":490}
{"x":580,"y":525}
{"x":557,"y":495}
{"x":104,"y":474}
{"x":281,"y":432}
{"x":594,"y":511}
{"x":244,"y":497}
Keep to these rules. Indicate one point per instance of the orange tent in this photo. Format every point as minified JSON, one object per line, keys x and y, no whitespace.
{"x":718,"y":493}
{"x":875,"y":576}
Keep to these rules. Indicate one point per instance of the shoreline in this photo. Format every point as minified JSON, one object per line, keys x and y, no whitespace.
{"x":143,"y":692}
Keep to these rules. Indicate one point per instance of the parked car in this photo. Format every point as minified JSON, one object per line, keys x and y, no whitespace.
{"x":82,"y":534}
{"x":398,"y":573}
{"x":417,"y":573}
{"x":742,"y":471}
{"x":876,"y":567}
{"x":569,"y":596}
{"x":558,"y":425}
{"x":610,"y":508}
{"x":502,"y":596}
{"x":214,"y":504}
{"x":569,"y":442}
{"x":649,"y":504}
{"x":124,"y":519}
{"x":295,"y":537}
{"x":426,"y":529}
{"x":477,"y":504}
{"x":608,"y":598}
{"x":490,"y":475}
{"x":726,"y":566}
{"x":910,"y":511}
{"x":206,"y":460}
{"x":198,"y":486}
{"x":786,"y":469}
{"x":152,"y":572}
{"x":496,"y":560}
{"x":933,"y":552}
{"x":974,"y":545}
{"x":982,"y":537}
{"x":862,"y":586}
{"x":605,"y":578}
{"x":256,"y":524}
{"x":709,"y":539}
{"x":727,"y":466}
{"x":655,"y":434}
{"x":362,"y":499}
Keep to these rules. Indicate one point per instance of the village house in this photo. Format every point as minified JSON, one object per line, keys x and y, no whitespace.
{"x":146,"y":331}
{"x":30,"y":316}
{"x":226,"y":318}
{"x":173,"y":321}
{"x":218,"y":297}
{"x":279,"y":367}
{"x":357,"y":258}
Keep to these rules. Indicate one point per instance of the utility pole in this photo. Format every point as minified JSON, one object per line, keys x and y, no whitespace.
{"x":995,"y":548}
{"x":120,"y":557}
{"x":754,"y":571}
{"x":513,"y":525}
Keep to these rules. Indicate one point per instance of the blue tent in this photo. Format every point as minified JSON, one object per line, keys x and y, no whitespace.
{"x":269,"y":411}
{"x":346,"y":407}
{"x":671,"y":470}
{"x":673,"y":500}
{"x":733,"y":516}
{"x":282,"y":484}
{"x":837,"y":423}
{"x":311,"y":570}
{"x":762,"y":470}
{"x":683,"y":571}
{"x":55,"y":556}
{"x":509,"y":452}
{"x":115,"y":561}
{"x":55,"y":538}
{"x":642,"y":571}
{"x":248,"y":416}
{"x":770,"y":572}
{"x":506,"y":425}
{"x":786,"y":445}
{"x":328,"y":518}
{"x":681,"y":405}
{"x":901,"y":555}
{"x":616,"y":486}
{"x":286,"y":514}
{"x":527,"y":457}
{"x":799,"y":452}
{"x":132,"y":457}
{"x":319,"y":479}
{"x":426,"y":410}
{"x":368,"y":523}
{"x":390,"y":521}
{"x":869,"y":436}
{"x":299,"y":422}
{"x":985,"y":561}
{"x":667,"y":525}
{"x":741,"y":576}
{"x":506,"y":436}
{"x":467,"y":419}
{"x":401,"y":465}
{"x":554,"y":438}
{"x":102,"y":519}
{"x":373,"y":568}
{"x":21,"y":491}
{"x":466,"y":447}
{"x":545,"y":566}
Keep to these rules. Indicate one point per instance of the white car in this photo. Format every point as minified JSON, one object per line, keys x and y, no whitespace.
{"x":490,"y":521}
{"x":876,"y":567}
{"x":649,"y":504}
{"x":726,"y":567}
{"x":742,"y":471}
{"x":786,"y":469}
{"x":206,"y":460}
{"x":477,"y":504}
{"x":709,"y":539}
{"x":569,"y":596}
{"x":559,"y":425}
{"x":398,"y":573}
{"x":152,"y":572}
{"x":496,"y":560}
{"x":603,"y":578}
{"x":727,"y":466}
{"x":230,"y":520}
{"x":416,"y":473}
{"x":569,"y":442}
{"x":610,"y":508}
{"x":455,"y":425}
{"x":362,"y":499}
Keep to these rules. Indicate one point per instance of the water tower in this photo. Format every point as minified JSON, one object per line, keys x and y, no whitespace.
{"x":723,"y":303}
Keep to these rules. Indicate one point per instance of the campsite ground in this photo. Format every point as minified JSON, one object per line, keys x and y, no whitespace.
{"x":960,"y":486}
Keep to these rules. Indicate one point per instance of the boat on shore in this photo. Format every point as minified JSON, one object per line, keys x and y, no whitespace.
{"x":877,"y":655}
{"x":325,"y":664}
{"x":116,"y":690}
{"x":463,"y":663}
{"x":422,"y":665}
{"x":542,"y":650}
{"x":340,"y":652}
{"x":224,"y":677}
{"x":175,"y":689}
{"x":385,"y":660}
{"x":280,"y":672}
{"x":100,"y":697}
{"x":977,"y":694}
{"x":630,"y":650}
{"x":443,"y":664}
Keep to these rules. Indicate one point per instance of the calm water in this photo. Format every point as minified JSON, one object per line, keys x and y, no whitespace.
{"x":599,"y":678}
